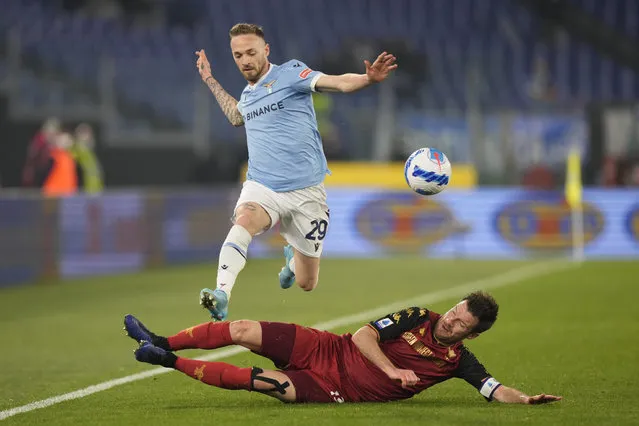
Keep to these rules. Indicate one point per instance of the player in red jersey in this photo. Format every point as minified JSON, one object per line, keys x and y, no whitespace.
{"x":391,"y":358}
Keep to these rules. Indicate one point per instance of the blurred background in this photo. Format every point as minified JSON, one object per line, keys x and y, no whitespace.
{"x":504,"y":87}
{"x":119,"y":174}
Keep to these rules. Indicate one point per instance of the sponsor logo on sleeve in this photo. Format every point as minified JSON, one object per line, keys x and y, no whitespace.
{"x":383,"y":323}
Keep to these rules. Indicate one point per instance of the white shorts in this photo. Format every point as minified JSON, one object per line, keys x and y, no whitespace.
{"x":303,"y":214}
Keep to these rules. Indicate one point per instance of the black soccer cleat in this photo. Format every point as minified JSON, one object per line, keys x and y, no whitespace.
{"x":151,"y":354}
{"x":136,"y":330}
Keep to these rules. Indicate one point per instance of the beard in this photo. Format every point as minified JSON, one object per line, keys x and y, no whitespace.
{"x":251,"y":75}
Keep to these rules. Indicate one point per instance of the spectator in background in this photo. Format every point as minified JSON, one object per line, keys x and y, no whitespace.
{"x":628,"y":172}
{"x":622,"y":171}
{"x":90,"y":176}
{"x":61,"y":177}
{"x":38,"y":152}
{"x":609,"y":173}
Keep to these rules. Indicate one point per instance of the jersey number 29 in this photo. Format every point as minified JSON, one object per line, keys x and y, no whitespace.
{"x":319,"y":227}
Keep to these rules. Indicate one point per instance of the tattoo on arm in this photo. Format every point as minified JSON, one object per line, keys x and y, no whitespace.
{"x":226,"y":101}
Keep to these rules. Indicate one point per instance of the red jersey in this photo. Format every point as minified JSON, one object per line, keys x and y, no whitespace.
{"x":406,"y":338}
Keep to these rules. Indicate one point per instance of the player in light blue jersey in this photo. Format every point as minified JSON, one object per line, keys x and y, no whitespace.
{"x":286,"y":162}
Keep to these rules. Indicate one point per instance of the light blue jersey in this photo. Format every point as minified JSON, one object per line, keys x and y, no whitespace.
{"x":284,"y":146}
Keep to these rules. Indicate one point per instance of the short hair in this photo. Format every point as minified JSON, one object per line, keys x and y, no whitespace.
{"x":483,"y":307}
{"x":243,"y":28}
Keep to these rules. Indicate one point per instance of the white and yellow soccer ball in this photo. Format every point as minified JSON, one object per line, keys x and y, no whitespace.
{"x":427,"y":171}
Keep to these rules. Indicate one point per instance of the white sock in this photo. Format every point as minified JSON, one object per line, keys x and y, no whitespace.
{"x":232,"y":258}
{"x":291,"y":264}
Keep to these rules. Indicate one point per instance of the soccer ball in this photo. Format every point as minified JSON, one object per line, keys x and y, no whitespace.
{"x":427,"y":171}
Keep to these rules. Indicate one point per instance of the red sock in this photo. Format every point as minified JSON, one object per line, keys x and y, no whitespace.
{"x":209,"y":335}
{"x":218,"y":374}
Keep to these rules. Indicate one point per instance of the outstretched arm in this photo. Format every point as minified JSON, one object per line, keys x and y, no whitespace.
{"x":227,"y":102}
{"x":474,"y":373}
{"x":514,"y":396}
{"x":346,"y":83}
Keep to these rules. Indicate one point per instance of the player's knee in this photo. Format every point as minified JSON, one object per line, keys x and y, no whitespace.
{"x":307,"y":283}
{"x":252,"y":217}
{"x":244,"y":217}
{"x":243,"y":331}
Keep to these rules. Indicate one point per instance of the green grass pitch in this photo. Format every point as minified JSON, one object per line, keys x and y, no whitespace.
{"x":571,"y":332}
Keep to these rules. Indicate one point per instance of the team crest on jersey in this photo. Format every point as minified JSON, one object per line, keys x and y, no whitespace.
{"x":269,"y":86}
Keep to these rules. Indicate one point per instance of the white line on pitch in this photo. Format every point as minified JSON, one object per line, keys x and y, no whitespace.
{"x":507,"y":278}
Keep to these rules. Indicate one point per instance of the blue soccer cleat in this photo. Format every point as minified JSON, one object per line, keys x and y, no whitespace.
{"x":136,"y":330}
{"x":287,"y":277}
{"x":216,"y":301}
{"x":151,"y":354}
